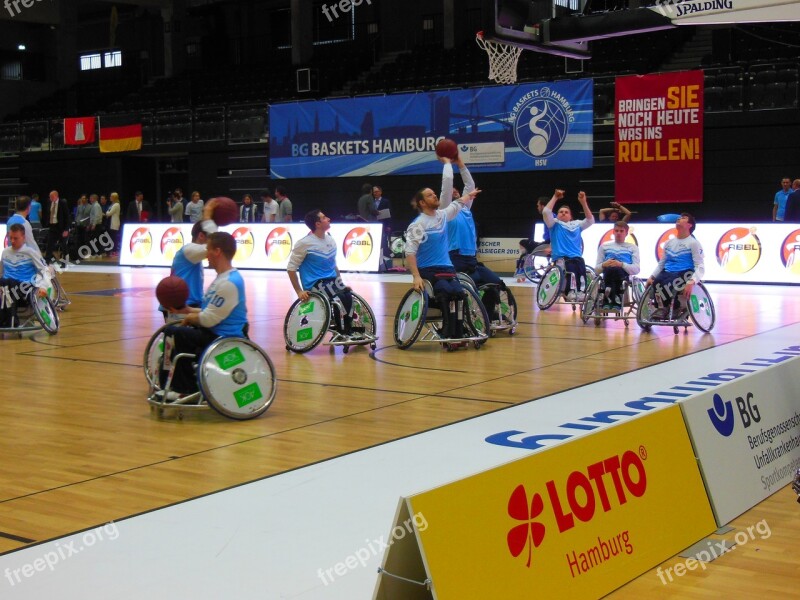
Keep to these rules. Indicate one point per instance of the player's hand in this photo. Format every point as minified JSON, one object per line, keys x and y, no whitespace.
{"x":649,"y":282}
{"x":41,"y":292}
{"x":614,"y":204}
{"x":303,"y":295}
{"x":474,"y":193}
{"x":444,"y":159}
{"x":559,"y":194}
{"x":418,"y":284}
{"x":581,"y":197}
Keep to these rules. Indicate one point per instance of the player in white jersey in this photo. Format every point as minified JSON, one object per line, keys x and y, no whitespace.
{"x":314,"y":256}
{"x":681,"y":266}
{"x":21,"y":269}
{"x":617,"y":260}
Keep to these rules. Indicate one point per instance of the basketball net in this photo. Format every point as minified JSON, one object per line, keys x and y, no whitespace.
{"x":502,"y":59}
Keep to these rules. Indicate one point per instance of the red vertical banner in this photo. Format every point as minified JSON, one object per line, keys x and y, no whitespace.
{"x":658,"y":138}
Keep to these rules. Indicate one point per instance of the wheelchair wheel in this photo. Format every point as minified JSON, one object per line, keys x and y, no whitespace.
{"x":153,"y":352}
{"x":466,"y":281}
{"x":701,"y":309}
{"x":363,"y":315}
{"x":535,"y":266}
{"x":307,"y":323}
{"x":589,"y":307}
{"x":410,"y":318}
{"x":647,"y":305}
{"x":476,"y":319}
{"x":45,"y":313}
{"x":57,"y":295}
{"x":237,"y":378}
{"x":550,"y":287}
{"x":637,"y":287}
{"x":508,"y":309}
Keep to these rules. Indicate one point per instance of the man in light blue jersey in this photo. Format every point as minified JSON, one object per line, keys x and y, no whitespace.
{"x":681,"y":266}
{"x":463,"y":244}
{"x":21,"y":269}
{"x":428,"y":249}
{"x":617,"y":261}
{"x":223,"y":313}
{"x":566,"y":242}
{"x":314,"y":257}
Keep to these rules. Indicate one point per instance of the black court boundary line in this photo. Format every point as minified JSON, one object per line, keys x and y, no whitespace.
{"x":338,"y":455}
{"x":16,"y":538}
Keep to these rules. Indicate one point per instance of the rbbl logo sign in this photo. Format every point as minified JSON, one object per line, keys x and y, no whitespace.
{"x":141,"y":243}
{"x":357,"y":246}
{"x":171,"y":242}
{"x":278,"y":245}
{"x":244,"y":244}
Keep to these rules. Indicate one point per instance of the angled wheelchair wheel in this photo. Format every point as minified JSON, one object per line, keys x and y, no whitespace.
{"x":534,"y":266}
{"x":476,"y":319}
{"x":466,"y":280}
{"x":701,"y":309}
{"x":589,"y":307}
{"x":508,"y":309}
{"x":550,"y":287}
{"x":637,"y":287}
{"x":410,"y":318}
{"x":237,"y":378}
{"x":45,"y":313}
{"x":363,"y":315}
{"x":153,"y":353}
{"x":647,"y":305}
{"x":306,"y":323}
{"x":57,"y":294}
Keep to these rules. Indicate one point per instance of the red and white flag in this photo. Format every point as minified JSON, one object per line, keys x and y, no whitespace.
{"x":79,"y":131}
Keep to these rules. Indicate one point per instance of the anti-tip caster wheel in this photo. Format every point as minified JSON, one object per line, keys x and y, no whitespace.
{"x":345,"y":349}
{"x":373,"y":346}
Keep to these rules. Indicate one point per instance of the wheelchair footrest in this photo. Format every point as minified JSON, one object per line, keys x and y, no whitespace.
{"x":354,"y":339}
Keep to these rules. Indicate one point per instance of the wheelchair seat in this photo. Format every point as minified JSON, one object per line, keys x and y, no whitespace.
{"x":307,"y":322}
{"x":595,"y":304}
{"x":698,"y":310}
{"x":235,"y":377}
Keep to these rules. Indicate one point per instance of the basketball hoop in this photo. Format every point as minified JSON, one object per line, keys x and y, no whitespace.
{"x":502,"y":59}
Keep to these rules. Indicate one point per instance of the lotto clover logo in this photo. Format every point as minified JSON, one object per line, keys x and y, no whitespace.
{"x":531,"y":533}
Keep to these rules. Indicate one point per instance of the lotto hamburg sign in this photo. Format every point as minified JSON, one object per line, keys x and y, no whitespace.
{"x":572,"y":521}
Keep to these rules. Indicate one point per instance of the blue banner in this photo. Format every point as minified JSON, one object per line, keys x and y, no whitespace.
{"x":510,"y":128}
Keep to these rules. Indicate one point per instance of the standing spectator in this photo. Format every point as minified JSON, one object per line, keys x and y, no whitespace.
{"x":194,"y":210}
{"x":58,"y":227}
{"x":104,"y":205}
{"x":384,"y":213}
{"x":179,"y":198}
{"x":35,"y":215}
{"x":284,"y":205}
{"x":792,"y":212}
{"x":366,"y":204}
{"x":113,"y":222}
{"x":95,"y":227}
{"x":82,"y":219}
{"x":138,"y":210}
{"x":779,"y":205}
{"x":175,"y":208}
{"x":247,"y":211}
{"x":270,"y":211}
{"x":615,"y":213}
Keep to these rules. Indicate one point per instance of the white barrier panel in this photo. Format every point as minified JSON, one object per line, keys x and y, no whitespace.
{"x":260,"y":246}
{"x":756,"y":253}
{"x":746,"y":436}
{"x":3,"y":235}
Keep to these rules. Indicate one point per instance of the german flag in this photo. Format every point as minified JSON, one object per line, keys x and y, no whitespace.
{"x":120,"y":133}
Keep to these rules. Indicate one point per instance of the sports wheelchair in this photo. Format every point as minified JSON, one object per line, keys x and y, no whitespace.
{"x":307,"y":323}
{"x":235,"y":377}
{"x":796,"y":484}
{"x":698,"y":311}
{"x":56,"y":292}
{"x":536,"y":263}
{"x":420,"y":311}
{"x":505,"y":312}
{"x":553,"y":282}
{"x":32,"y":313}
{"x":595,"y":304}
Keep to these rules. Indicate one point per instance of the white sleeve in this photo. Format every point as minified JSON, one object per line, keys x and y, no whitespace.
{"x":212,"y":314}
{"x":699,"y":261}
{"x":548,"y":218}
{"x":297,"y":257}
{"x":634,"y":267}
{"x":209,"y":226}
{"x":601,"y":258}
{"x":414,"y":235}
{"x":447,"y":182}
{"x":587,"y":222}
{"x":195,"y":253}
{"x":452,"y":211}
{"x":469,"y":183}
{"x":660,"y":266}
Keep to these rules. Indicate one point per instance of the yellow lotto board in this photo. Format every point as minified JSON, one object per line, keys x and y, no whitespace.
{"x":574,"y":521}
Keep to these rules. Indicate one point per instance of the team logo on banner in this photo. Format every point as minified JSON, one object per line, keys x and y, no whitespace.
{"x":739,"y":250}
{"x":357,"y":246}
{"x":278,"y":245}
{"x":662,"y":241}
{"x":171,"y":242}
{"x":244,"y":243}
{"x":141,"y":243}
{"x":541,"y":122}
{"x":790,"y":255}
{"x":608,"y":237}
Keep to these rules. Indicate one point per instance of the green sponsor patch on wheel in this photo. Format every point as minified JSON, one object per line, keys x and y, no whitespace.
{"x":303,"y":335}
{"x":229,"y":359}
{"x":45,"y":317}
{"x":415,"y":311}
{"x":306,"y":308}
{"x":247,"y":395}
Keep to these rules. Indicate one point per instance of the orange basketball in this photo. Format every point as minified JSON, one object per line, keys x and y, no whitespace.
{"x":172,"y":292}
{"x":447,"y":148}
{"x":225,"y":212}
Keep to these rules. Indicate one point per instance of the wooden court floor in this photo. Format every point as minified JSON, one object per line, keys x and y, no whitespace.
{"x":81,"y":448}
